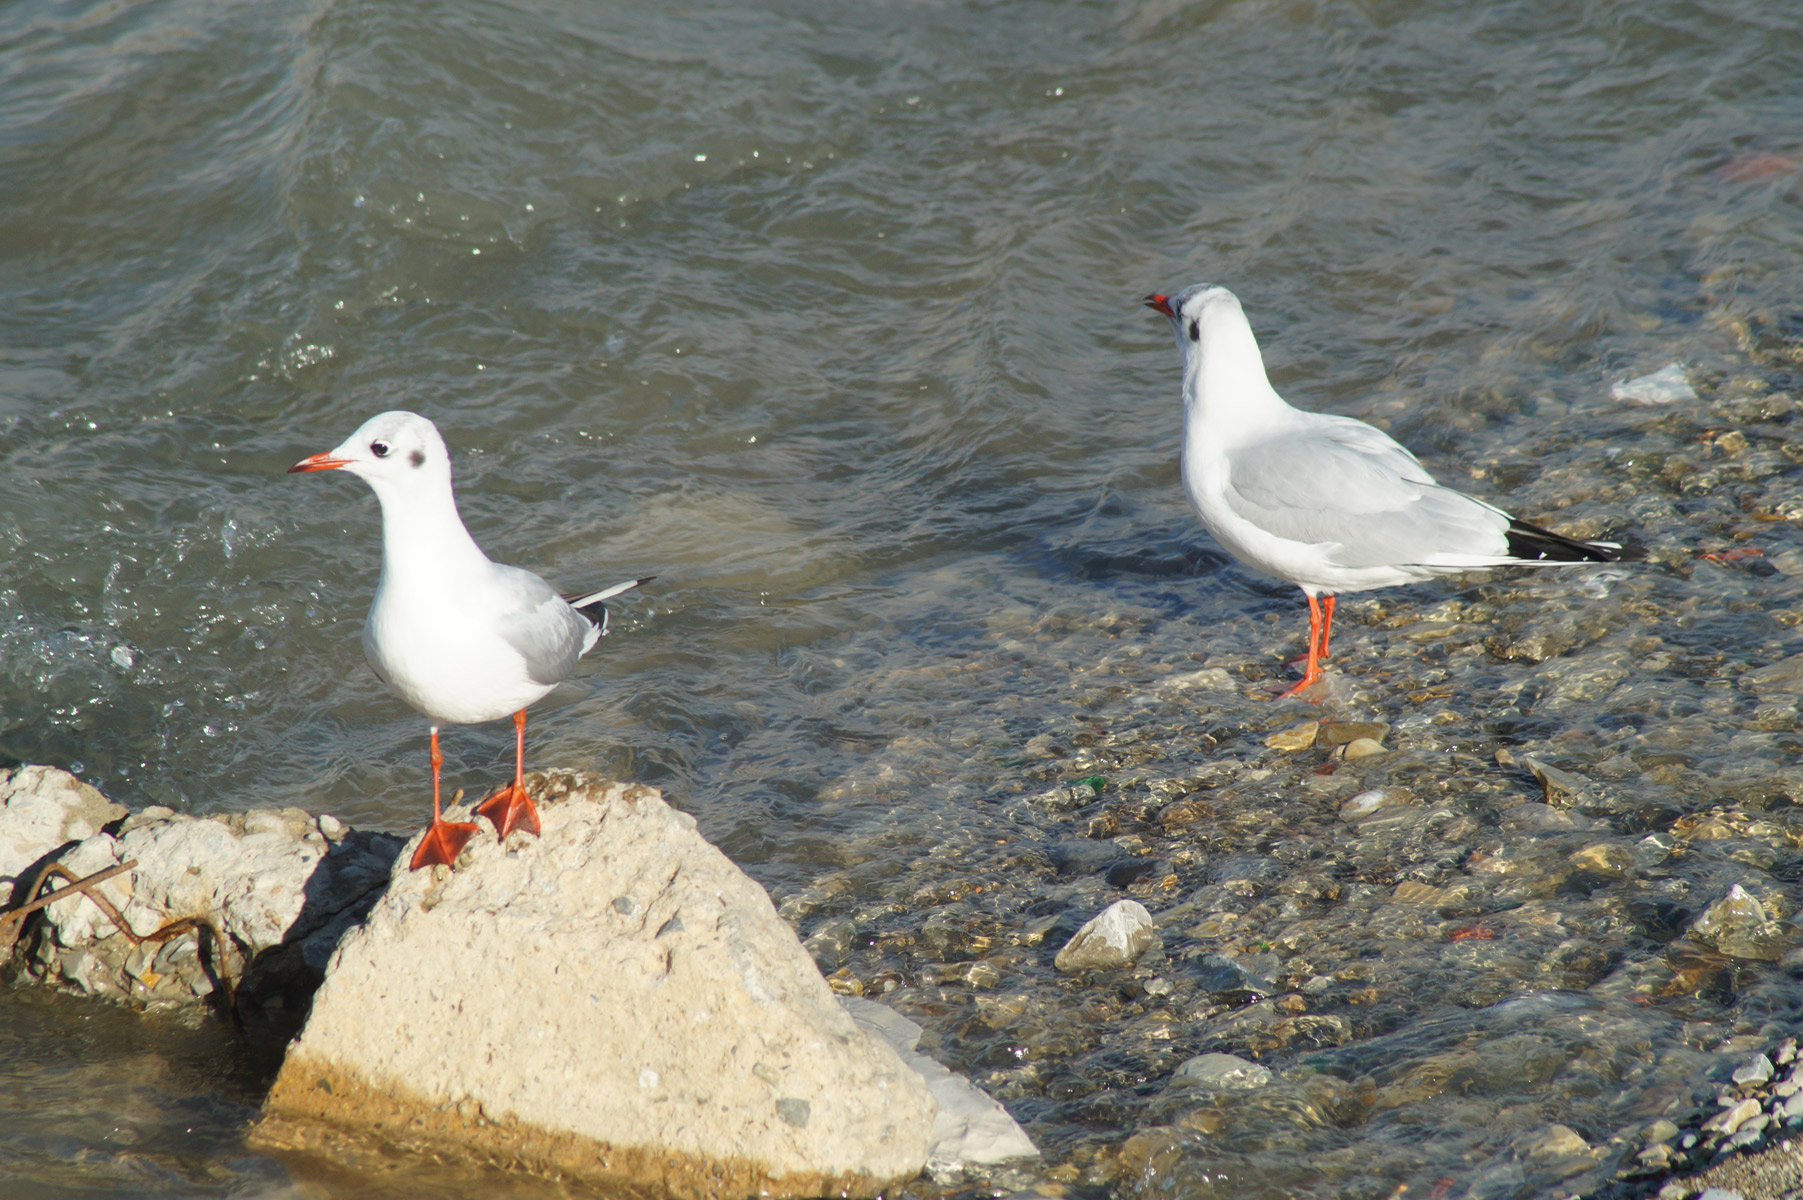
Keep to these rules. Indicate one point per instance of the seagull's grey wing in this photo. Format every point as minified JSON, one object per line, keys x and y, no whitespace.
{"x":1341,"y":484}
{"x":549,"y":634}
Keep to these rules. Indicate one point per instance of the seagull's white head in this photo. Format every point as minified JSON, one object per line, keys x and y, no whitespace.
{"x":1220,"y":355}
{"x":396,"y":452}
{"x":1197,"y":311}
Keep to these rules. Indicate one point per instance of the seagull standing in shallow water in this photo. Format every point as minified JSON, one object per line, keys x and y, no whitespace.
{"x":459,"y":637}
{"x":1328,"y":503}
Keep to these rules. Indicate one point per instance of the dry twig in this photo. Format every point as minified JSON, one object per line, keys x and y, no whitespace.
{"x":11,"y":922}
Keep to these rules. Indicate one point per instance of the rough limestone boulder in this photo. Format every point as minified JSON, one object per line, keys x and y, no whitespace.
{"x":43,"y":810}
{"x":613,"y":1002}
{"x":279,"y":889}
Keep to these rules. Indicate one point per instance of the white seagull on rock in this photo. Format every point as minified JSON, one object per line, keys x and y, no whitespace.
{"x":1328,"y":503}
{"x":459,"y":637}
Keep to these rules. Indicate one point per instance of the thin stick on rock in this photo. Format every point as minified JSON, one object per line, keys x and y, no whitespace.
{"x":11,"y":922}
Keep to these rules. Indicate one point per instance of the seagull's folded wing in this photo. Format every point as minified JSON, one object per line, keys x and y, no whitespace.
{"x":549,"y":635}
{"x":1364,"y":500}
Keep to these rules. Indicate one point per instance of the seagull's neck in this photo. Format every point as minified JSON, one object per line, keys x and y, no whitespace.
{"x":1225,"y":391}
{"x":423,"y":538}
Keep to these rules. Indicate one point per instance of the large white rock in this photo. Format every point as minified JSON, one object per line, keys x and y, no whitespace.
{"x":613,"y":1001}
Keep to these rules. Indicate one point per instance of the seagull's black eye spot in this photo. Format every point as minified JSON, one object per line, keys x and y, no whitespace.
{"x":1195,"y":332}
{"x":417,"y":458}
{"x":379,"y":449}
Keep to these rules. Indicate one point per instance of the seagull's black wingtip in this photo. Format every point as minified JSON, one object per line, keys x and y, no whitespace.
{"x":1530,"y":543}
{"x":592,"y":607}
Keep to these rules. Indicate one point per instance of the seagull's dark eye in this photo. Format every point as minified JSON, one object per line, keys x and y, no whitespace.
{"x":379,"y":449}
{"x":1195,"y":332}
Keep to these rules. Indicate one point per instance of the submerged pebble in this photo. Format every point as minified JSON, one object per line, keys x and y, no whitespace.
{"x":1221,"y":1072}
{"x":1114,"y":937}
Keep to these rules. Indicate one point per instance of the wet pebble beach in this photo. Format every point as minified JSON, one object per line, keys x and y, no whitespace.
{"x":1520,"y":895}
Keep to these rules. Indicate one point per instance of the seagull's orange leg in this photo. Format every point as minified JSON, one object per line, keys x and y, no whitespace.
{"x":443,"y":838}
{"x":1317,"y":646}
{"x":511,"y":808}
{"x":1326,"y":621}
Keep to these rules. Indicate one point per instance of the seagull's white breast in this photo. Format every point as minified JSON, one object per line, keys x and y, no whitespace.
{"x":442,"y":654}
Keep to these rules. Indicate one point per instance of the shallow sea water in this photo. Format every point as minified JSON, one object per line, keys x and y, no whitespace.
{"x":829,"y":317}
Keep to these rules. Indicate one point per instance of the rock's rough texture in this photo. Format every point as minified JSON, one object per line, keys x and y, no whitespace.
{"x":613,"y":1001}
{"x":1114,"y":937}
{"x":279,"y":887}
{"x":42,"y":809}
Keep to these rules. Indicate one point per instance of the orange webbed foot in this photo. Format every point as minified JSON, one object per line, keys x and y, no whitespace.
{"x":443,"y":842}
{"x":510,"y":809}
{"x":1300,"y":686}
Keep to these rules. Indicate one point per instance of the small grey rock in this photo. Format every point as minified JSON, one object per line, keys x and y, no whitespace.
{"x":1561,"y":788}
{"x":1222,"y":1073}
{"x":1738,"y":926}
{"x":1652,"y":849}
{"x":1115,"y":937}
{"x":1230,"y":981}
{"x":1667,"y":385}
{"x":830,"y":945}
{"x":1553,"y":1142}
{"x":1367,"y":802}
{"x":1785,"y":675}
{"x":1755,"y":1072}
{"x":1726,"y":1123}
{"x":1066,"y":798}
{"x":1084,"y":856}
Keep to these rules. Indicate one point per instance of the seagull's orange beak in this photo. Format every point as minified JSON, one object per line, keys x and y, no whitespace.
{"x":319,"y":462}
{"x":1162,"y":303}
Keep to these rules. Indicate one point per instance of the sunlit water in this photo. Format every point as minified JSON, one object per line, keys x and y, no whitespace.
{"x":829,"y":317}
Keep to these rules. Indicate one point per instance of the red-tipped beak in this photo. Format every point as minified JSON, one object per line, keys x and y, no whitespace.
{"x":319,"y":462}
{"x":1162,"y":303}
